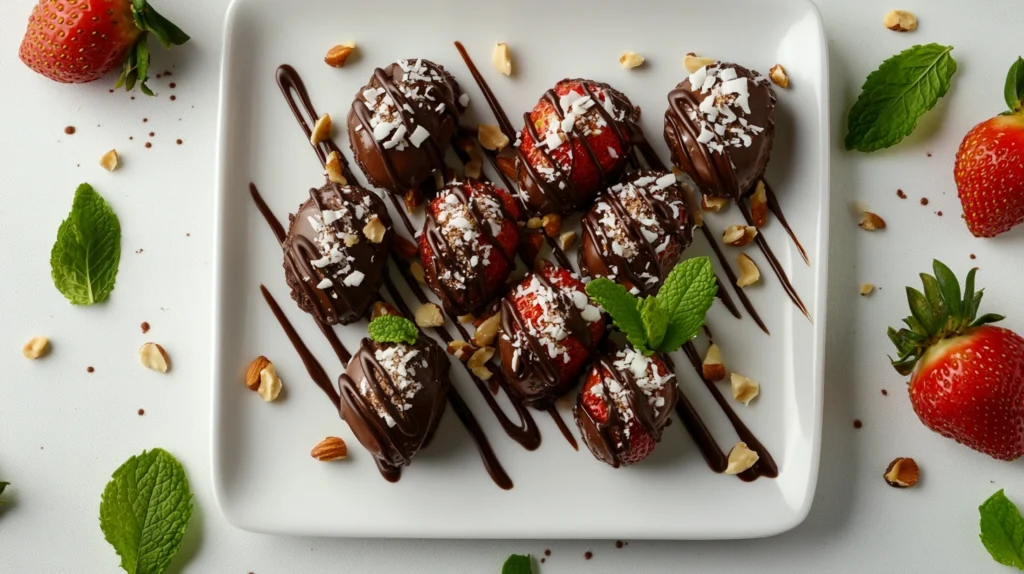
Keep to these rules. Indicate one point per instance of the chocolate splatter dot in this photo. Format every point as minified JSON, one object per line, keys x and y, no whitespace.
{"x":133,"y":97}
{"x":90,"y":370}
{"x":929,"y":154}
{"x":900,"y":194}
{"x":173,"y":97}
{"x":142,"y":412}
{"x":618,"y":544}
{"x":885,"y":393}
{"x":151,"y":134}
{"x":939,"y":213}
{"x":144,"y":120}
{"x":547,"y":552}
{"x":178,"y":142}
{"x":70,"y":130}
{"x":857,"y":424}
{"x":973,"y":256}
{"x":145,"y":327}
{"x":588,"y":555}
{"x":137,"y":251}
{"x":111,"y":90}
{"x":543,"y":560}
{"x":149,"y":145}
{"x":173,"y":85}
{"x":131,"y":137}
{"x":924,"y":201}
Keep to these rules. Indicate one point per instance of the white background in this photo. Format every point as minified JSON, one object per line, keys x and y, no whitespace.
{"x":63,"y":431}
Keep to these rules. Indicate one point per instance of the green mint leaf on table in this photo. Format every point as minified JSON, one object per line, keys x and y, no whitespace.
{"x":1015,"y":86}
{"x":145,"y":509}
{"x":518,"y":564}
{"x":688,"y":293}
{"x":85,"y":257}
{"x":623,"y":308}
{"x":1002,"y":531}
{"x":393,"y":329}
{"x":655,"y":321}
{"x":897,"y":94}
{"x":3,"y":485}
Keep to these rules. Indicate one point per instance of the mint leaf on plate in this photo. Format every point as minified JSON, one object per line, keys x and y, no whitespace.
{"x":897,"y":94}
{"x":1002,"y":531}
{"x":623,"y":308}
{"x":393,"y":329}
{"x":145,"y":509}
{"x":688,"y":293}
{"x":85,"y":257}
{"x":518,"y":564}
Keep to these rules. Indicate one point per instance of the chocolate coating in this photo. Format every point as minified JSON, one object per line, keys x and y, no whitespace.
{"x":636,"y":231}
{"x":468,"y":245}
{"x":392,"y":397}
{"x":388,"y":114}
{"x":737,"y":131}
{"x":589,"y":158}
{"x":638,"y":394}
{"x":355,"y":272}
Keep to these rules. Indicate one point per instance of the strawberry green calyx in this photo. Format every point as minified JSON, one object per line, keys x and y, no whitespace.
{"x":940,"y":312}
{"x":136,"y":65}
{"x":1014,"y":91}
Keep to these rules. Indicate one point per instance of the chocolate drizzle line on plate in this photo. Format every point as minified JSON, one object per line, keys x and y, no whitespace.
{"x":557,"y":417}
{"x":709,"y":235}
{"x":295,"y":93}
{"x":762,"y":243}
{"x":773,"y":205}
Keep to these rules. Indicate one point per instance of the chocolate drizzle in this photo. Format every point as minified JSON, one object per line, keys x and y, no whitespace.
{"x":762,"y":243}
{"x":773,"y":205}
{"x":710,"y":237}
{"x":564,"y":428}
{"x":295,"y":93}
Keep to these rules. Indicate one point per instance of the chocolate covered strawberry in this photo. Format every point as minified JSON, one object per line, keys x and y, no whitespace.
{"x":990,"y":165}
{"x":549,"y":330}
{"x":468,"y":244}
{"x":966,"y":376}
{"x":624,"y":405}
{"x":576,"y":142}
{"x":75,"y":42}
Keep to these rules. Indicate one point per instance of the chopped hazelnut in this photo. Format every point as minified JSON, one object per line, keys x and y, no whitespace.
{"x":487,"y":331}
{"x":418,"y":273}
{"x":866,"y":288}
{"x":741,"y":458}
{"x":902,"y":473}
{"x":338,"y":55}
{"x":491,"y":137}
{"x":480,"y":357}
{"x":534,"y":223}
{"x":900,"y":21}
{"x":630,"y":60}
{"x":374,"y":230}
{"x":461,"y":350}
{"x":270,"y":384}
{"x":694,"y":62}
{"x":334,"y":169}
{"x":739,"y":235}
{"x":567,"y":240}
{"x":759,"y":206}
{"x":36,"y":347}
{"x":713,"y":202}
{"x":713,"y":369}
{"x":321,"y":130}
{"x":429,"y":315}
{"x":743,"y":389}
{"x":154,"y":357}
{"x":501,"y":59}
{"x":749,"y":273}
{"x":778,"y":76}
{"x":552,"y":224}
{"x":109,"y":160}
{"x":871,"y":221}
{"x":482,"y":372}
{"x":382,"y":308}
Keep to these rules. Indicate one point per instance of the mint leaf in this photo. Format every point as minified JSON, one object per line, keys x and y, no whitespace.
{"x":85,"y":257}
{"x":145,"y":509}
{"x":1014,"y":91}
{"x":518,"y":564}
{"x":623,"y":308}
{"x":655,"y":322}
{"x":3,"y":485}
{"x":1002,"y":531}
{"x":393,"y":329}
{"x":688,"y":293}
{"x":895,"y":95}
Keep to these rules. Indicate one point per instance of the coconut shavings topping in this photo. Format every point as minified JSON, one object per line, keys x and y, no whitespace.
{"x":722,"y":114}
{"x":472,"y":252}
{"x":649,"y":377}
{"x":389,"y":121}
{"x":550,"y":327}
{"x":400,"y":362}
{"x":337,"y":230}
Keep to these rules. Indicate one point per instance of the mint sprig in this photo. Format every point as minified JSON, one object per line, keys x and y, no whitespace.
{"x":1014,"y":91}
{"x":85,"y":257}
{"x":393,"y":329}
{"x":3,"y":485}
{"x":145,"y":510}
{"x":518,"y":564}
{"x":664,"y":322}
{"x":897,"y":94}
{"x":1002,"y":530}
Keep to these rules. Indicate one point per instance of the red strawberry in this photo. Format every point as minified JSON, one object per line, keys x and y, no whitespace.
{"x":561,"y":330}
{"x":966,"y":376}
{"x":78,"y":41}
{"x":473,"y":260}
{"x":639,"y":417}
{"x":588,"y":158}
{"x":990,"y":166}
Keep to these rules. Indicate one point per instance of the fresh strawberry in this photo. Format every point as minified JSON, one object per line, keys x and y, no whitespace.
{"x":474,"y":262}
{"x":78,"y":41}
{"x":590,"y":156}
{"x":631,"y":434}
{"x":560,"y":322}
{"x":966,"y":376}
{"x":990,"y":166}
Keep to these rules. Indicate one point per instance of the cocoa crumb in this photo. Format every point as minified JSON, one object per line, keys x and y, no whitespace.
{"x":588,"y":555}
{"x":857,"y":424}
{"x":70,"y":130}
{"x":885,"y":393}
{"x":144,"y":120}
{"x":149,"y":145}
{"x":142,"y":412}
{"x":900,"y":194}
{"x":188,"y":235}
{"x":924,"y":201}
{"x":618,"y":544}
{"x":173,"y":97}
{"x":173,"y":85}
{"x":131,"y":137}
{"x":151,"y":134}
{"x":133,"y":97}
{"x":111,"y":91}
{"x":90,"y":370}
{"x":929,"y":154}
{"x":178,"y":142}
{"x":145,"y":327}
{"x":137,"y":251}
{"x":939,"y":213}
{"x":542,"y":560}
{"x":547,"y":552}
{"x":973,"y":256}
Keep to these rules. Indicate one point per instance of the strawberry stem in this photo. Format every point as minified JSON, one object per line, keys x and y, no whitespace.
{"x":136,"y":66}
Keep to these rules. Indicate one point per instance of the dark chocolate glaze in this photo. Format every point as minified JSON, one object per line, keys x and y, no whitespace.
{"x":717,"y":460}
{"x":773,"y":205}
{"x":727,"y":265}
{"x":765,"y":465}
{"x":736,"y":169}
{"x":607,"y":440}
{"x":535,"y":376}
{"x":666,"y":207}
{"x":295,"y":93}
{"x":398,"y":170}
{"x":411,"y":422}
{"x":313,"y":367}
{"x":339,"y":303}
{"x":564,"y":428}
{"x":563,"y":193}
{"x":443,"y":258}
{"x":773,"y":262}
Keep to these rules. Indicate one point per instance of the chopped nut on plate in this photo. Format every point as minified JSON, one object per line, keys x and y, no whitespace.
{"x":252,"y":374}
{"x":713,"y":202}
{"x":534,"y":223}
{"x":36,"y":347}
{"x":778,"y":76}
{"x":713,"y":369}
{"x":871,"y":221}
{"x":381,"y":308}
{"x":759,"y":206}
{"x":109,"y":160}
{"x":321,"y":130}
{"x":487,"y":331}
{"x":739,"y":235}
{"x":630,"y":60}
{"x":567,"y":240}
{"x":743,"y":389}
{"x":483,"y":373}
{"x":429,"y":315}
{"x":154,"y":357}
{"x":694,"y":62}
{"x":334,"y":169}
{"x":902,"y":473}
{"x":374,"y":230}
{"x":501,"y":59}
{"x":461,"y":350}
{"x":552,"y":224}
{"x":480,"y":357}
{"x":749,"y":273}
{"x":491,"y":137}
{"x":741,"y":458}
{"x":331,"y":448}
{"x":900,"y":21}
{"x":270,"y":384}
{"x":338,"y":55}
{"x":866,"y":288}
{"x":416,"y":269}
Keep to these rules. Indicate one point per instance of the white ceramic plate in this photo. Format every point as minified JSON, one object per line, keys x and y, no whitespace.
{"x":265,"y":479}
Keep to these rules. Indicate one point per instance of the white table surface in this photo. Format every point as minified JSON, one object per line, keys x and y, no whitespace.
{"x":63,"y":431}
